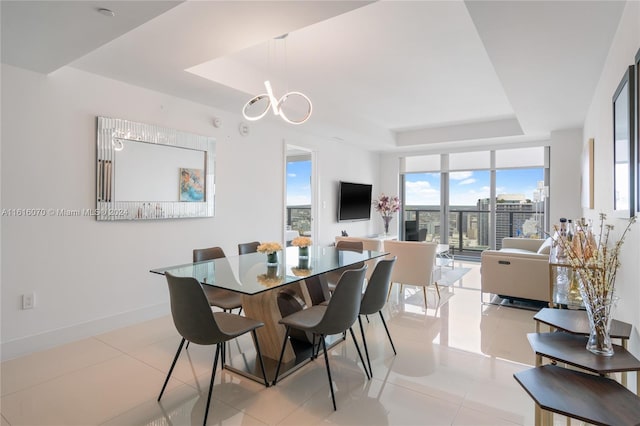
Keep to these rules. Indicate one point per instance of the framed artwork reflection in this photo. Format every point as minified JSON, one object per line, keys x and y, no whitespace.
{"x":623,"y":145}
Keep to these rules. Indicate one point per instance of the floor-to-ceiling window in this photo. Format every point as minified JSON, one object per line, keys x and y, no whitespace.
{"x":469,"y":184}
{"x":473,"y":200}
{"x":422,"y":206}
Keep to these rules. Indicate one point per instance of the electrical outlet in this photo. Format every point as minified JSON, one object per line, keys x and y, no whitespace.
{"x":28,"y":301}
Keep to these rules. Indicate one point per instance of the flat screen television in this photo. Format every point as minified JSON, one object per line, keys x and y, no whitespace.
{"x":354,"y":202}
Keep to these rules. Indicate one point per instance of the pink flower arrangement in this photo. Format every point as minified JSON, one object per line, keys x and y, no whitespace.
{"x":387,"y":205}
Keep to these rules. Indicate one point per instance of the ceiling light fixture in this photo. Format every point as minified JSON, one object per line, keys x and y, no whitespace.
{"x":276,"y":105}
{"x":258,"y":106}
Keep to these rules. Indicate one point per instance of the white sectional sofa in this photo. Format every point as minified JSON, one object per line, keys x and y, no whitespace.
{"x":519,"y":270}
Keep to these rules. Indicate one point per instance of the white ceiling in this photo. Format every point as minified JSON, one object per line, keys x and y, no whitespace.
{"x":386,"y":74}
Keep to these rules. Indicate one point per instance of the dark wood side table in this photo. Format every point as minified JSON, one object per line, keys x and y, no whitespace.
{"x":570,"y":349}
{"x":586,"y":397}
{"x":576,"y":322}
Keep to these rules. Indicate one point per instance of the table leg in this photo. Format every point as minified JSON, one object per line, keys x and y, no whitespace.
{"x":264,"y":307}
{"x":623,"y":375}
{"x":538,"y":415}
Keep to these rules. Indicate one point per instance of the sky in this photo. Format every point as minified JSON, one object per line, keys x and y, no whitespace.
{"x":424,"y":188}
{"x":299,"y":183}
{"x":467,"y":187}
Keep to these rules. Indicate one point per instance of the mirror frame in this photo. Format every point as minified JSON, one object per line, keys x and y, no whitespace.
{"x":110,"y":133}
{"x":637,"y":106}
{"x":625,"y":89}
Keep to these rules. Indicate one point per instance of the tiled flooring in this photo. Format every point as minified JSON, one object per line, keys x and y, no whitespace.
{"x":454,"y":367}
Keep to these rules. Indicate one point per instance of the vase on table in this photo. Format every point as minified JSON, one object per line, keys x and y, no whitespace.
{"x":600,"y":313}
{"x":386,"y":220}
{"x":303,"y":252}
{"x":272,"y":259}
{"x":303,"y":263}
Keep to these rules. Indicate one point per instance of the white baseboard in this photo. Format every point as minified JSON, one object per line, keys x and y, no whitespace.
{"x":38,"y":342}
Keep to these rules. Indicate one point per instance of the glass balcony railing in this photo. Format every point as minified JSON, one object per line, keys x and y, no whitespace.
{"x":299,"y":218}
{"x":468,"y":230}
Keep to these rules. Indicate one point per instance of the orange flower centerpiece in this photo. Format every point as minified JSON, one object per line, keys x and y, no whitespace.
{"x":303,"y":244}
{"x":595,"y":260}
{"x":387,"y":206}
{"x":271,"y":249}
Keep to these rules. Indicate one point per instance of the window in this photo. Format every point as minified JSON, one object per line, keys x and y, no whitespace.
{"x":465,"y":191}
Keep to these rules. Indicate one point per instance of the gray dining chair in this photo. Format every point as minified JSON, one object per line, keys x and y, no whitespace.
{"x":374,"y":299}
{"x":246,"y":248}
{"x":197,"y":323}
{"x":333,"y":277}
{"x":218,"y":297}
{"x":335,"y":318}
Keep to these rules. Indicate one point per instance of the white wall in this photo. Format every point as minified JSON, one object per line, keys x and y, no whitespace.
{"x":599,"y":125}
{"x":564,"y":180}
{"x":91,"y":276}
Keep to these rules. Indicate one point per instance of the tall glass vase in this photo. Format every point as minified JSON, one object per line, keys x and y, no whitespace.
{"x":386,"y":220}
{"x":600,"y":313}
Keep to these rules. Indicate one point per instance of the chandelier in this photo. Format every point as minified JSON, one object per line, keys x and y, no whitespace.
{"x":258,"y":106}
{"x":276,"y":105}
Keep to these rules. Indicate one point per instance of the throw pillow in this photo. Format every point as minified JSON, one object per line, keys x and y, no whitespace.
{"x":545,"y":248}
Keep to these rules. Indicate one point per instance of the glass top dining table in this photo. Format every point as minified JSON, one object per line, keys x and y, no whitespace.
{"x":249,"y":274}
{"x":259,"y":285}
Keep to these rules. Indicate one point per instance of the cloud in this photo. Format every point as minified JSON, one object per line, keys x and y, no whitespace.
{"x":421,"y":192}
{"x":460,"y":175}
{"x":298,"y":200}
{"x":467,"y":182}
{"x":291,"y":175}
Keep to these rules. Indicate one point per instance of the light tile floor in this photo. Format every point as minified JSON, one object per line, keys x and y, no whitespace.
{"x":454,"y":366}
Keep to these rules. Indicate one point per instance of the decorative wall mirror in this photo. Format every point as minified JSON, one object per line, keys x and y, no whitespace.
{"x":624,"y":147}
{"x":150,"y":172}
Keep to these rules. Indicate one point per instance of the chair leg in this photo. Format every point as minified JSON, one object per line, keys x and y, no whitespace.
{"x":255,"y":341}
{"x":355,"y":342}
{"x":424,"y":295}
{"x":213,"y":377}
{"x":367,"y":317}
{"x":240,"y":311}
{"x":388,"y":334}
{"x":173,"y":364}
{"x":315,"y":349}
{"x":187,"y":347}
{"x":223,"y":355}
{"x":364,"y":342}
{"x":326,"y":361}
{"x":284,"y":345}
{"x":389,"y":292}
{"x":437,"y":289}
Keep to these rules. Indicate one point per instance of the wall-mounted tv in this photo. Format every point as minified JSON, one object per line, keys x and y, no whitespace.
{"x":354,"y":202}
